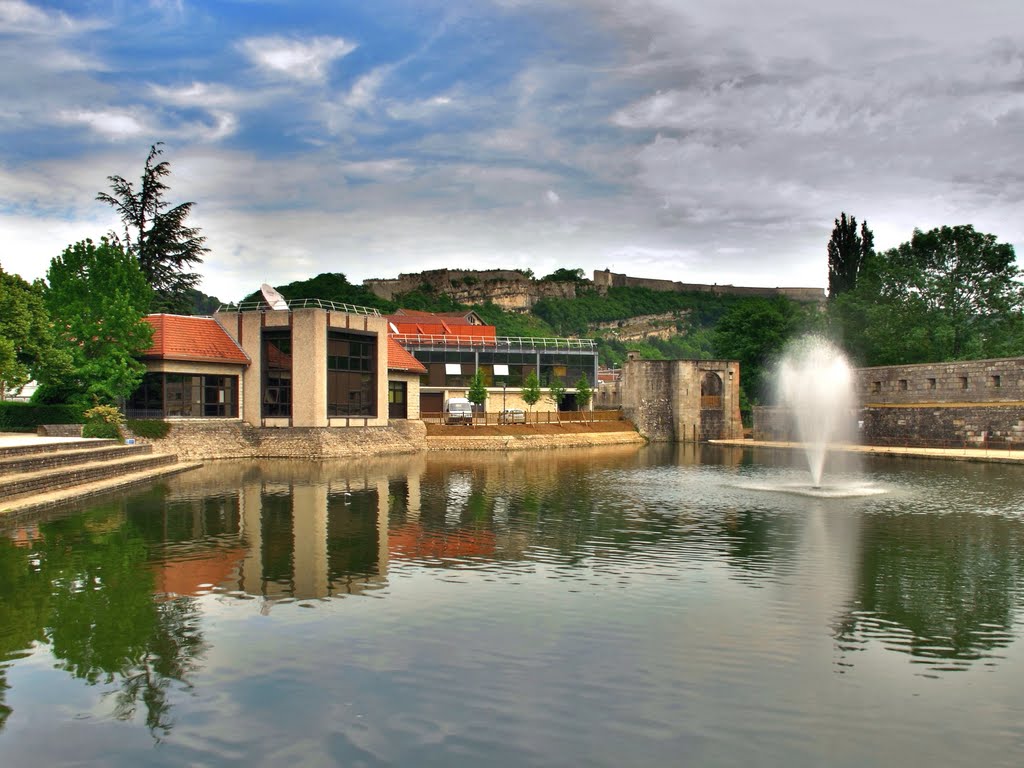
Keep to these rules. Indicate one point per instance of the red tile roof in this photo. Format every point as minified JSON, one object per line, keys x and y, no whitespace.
{"x":399,"y":359}
{"x":192,"y":339}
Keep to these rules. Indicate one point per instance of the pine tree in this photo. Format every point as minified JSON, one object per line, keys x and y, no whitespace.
{"x":157,"y":236}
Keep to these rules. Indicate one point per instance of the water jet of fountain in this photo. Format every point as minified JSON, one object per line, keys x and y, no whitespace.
{"x":814,"y":382}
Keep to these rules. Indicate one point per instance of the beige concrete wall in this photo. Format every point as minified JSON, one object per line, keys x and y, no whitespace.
{"x":309,"y":363}
{"x":412,"y":391}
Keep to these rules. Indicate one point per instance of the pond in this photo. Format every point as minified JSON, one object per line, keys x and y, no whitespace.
{"x":652,"y":606}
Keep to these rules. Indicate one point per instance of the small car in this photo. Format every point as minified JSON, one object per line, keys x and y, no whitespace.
{"x":512,"y":416}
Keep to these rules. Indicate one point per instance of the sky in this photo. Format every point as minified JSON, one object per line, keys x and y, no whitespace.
{"x":710,"y":142}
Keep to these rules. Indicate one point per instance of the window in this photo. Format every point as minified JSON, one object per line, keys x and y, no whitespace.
{"x":351,"y":374}
{"x":903,"y":385}
{"x":876,"y":386}
{"x":996,"y":382}
{"x":184,"y":395}
{"x":963,"y":382}
{"x":931,"y":383}
{"x":277,"y":373}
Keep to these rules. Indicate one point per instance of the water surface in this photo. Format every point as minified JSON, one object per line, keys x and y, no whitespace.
{"x":614,"y":607}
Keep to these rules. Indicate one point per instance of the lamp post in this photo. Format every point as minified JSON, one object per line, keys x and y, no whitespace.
{"x":504,"y":385}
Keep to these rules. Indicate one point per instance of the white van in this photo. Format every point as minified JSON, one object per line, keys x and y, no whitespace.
{"x":458,"y":410}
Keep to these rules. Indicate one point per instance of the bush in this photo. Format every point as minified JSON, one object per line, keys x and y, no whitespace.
{"x":25,"y":417}
{"x":103,"y":421}
{"x":151,"y":429}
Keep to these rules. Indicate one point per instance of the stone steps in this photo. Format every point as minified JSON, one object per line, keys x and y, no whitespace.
{"x":38,"y":475}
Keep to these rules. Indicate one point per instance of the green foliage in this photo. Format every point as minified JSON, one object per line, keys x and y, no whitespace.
{"x":584,"y":393}
{"x":513,"y":323}
{"x":156,"y":234}
{"x":201,"y":304}
{"x":150,"y":429}
{"x":331,"y":286}
{"x":754,"y":331}
{"x":477,"y":389}
{"x":103,"y":421}
{"x":97,"y":297}
{"x":948,"y":294}
{"x":847,"y":252}
{"x":556,"y":391}
{"x":564,"y":275}
{"x":25,"y":417}
{"x":531,"y":389}
{"x":425,"y":299}
{"x":28,"y":348}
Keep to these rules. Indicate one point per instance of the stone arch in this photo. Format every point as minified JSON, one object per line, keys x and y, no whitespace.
{"x":711,"y":390}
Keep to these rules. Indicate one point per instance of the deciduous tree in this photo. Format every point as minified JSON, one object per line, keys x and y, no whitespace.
{"x":27,"y":345}
{"x":847,"y":251}
{"x":531,"y":389}
{"x":556,"y":392}
{"x":97,"y":297}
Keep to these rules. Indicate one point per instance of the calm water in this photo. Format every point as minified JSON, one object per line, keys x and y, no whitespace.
{"x":626,"y":607}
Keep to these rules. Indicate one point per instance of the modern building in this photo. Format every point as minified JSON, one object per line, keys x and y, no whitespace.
{"x":453,"y":348}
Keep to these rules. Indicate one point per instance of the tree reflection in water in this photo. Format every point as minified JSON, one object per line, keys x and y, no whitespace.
{"x":83,"y":586}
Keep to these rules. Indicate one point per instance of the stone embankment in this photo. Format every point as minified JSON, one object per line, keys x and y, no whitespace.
{"x":236,"y":440}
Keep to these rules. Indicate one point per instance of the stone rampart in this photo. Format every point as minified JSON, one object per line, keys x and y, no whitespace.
{"x":943,"y":425}
{"x":508,"y":289}
{"x":532,"y":442}
{"x":605,"y":279}
{"x":998,"y":380}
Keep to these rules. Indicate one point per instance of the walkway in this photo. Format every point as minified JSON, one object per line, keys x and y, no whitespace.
{"x":960,"y":454}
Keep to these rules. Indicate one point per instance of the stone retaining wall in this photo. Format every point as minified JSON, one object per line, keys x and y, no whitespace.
{"x":966,"y":425}
{"x":231,"y":439}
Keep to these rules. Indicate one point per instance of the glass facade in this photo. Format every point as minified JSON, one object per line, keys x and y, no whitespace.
{"x":455,"y":368}
{"x":351,"y":374}
{"x":184,"y":395}
{"x":277,"y":373}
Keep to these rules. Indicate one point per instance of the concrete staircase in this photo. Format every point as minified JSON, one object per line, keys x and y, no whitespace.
{"x":36,"y":474}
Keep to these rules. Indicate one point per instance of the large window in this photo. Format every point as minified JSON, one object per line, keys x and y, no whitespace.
{"x":184,"y":395}
{"x":351,"y":374}
{"x":277,"y":373}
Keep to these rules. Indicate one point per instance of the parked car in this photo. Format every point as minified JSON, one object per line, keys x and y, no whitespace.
{"x":458,"y":410}
{"x":512,"y":416}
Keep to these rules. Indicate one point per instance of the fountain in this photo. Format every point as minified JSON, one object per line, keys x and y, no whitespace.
{"x":814,"y":382}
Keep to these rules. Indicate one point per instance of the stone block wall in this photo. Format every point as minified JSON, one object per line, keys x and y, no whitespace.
{"x":973,"y":381}
{"x":966,"y":425}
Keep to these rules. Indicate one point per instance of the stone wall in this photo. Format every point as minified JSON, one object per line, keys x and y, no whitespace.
{"x":772,"y":422}
{"x":666,"y":399}
{"x":508,"y":289}
{"x":233,"y":439}
{"x":949,"y":425}
{"x":605,"y":279}
{"x":532,"y":442}
{"x":973,"y":381}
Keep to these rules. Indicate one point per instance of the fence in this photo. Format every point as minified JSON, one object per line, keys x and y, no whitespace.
{"x":529,"y":417}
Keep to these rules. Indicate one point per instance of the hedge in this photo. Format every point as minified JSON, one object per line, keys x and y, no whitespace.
{"x":25,"y":417}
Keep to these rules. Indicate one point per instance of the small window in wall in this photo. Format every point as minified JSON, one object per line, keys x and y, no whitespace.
{"x":963,"y":382}
{"x":931,"y":383}
{"x":903,"y":385}
{"x":996,"y":382}
{"x":876,"y":386}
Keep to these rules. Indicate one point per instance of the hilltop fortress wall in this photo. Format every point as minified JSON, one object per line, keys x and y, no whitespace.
{"x":605,"y":279}
{"x":517,"y":292}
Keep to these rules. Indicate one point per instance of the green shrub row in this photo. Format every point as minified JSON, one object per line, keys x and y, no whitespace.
{"x":25,"y":417}
{"x":151,"y":429}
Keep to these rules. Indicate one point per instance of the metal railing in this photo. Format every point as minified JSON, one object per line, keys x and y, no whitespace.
{"x":259,"y":305}
{"x":499,"y":342}
{"x":529,"y":418}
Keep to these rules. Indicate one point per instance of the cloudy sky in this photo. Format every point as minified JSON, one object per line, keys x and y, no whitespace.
{"x":696,"y":141}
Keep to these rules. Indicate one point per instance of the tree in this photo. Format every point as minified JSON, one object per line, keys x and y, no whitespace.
{"x":97,"y":296}
{"x":583,"y":393}
{"x":531,"y":389}
{"x":563,"y":275}
{"x":556,"y":391}
{"x":951,"y":293}
{"x":27,"y":344}
{"x":477,"y":394}
{"x":754,"y":331}
{"x":847,"y":251}
{"x":156,"y":234}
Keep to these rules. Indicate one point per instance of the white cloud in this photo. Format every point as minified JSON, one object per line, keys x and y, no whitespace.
{"x":108,"y":123}
{"x":305,"y":60}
